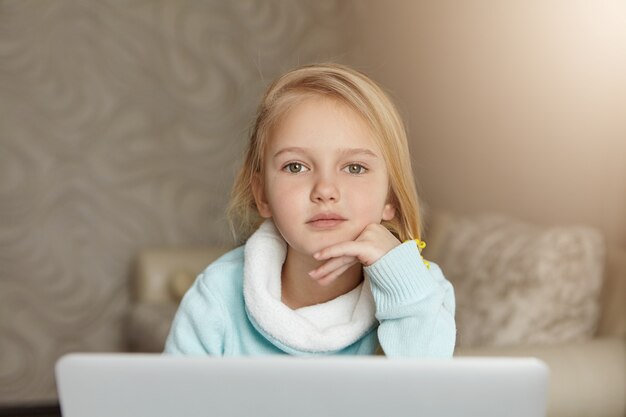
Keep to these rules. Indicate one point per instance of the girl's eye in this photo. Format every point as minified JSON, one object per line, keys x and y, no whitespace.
{"x":295,"y":167}
{"x":356,"y":169}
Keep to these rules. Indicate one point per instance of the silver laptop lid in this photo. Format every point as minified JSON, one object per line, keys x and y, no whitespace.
{"x":125,"y":385}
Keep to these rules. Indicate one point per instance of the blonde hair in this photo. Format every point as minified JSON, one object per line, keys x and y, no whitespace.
{"x":364,"y":96}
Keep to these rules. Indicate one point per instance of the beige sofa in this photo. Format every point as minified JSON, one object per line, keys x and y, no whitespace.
{"x":588,"y":378}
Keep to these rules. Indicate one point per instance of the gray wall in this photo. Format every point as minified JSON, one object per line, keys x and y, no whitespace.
{"x":121,"y":126}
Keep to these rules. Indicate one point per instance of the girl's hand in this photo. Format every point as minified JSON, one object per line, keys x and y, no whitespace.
{"x":373,"y":242}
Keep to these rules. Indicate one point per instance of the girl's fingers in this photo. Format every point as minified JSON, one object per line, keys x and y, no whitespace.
{"x":350,"y":248}
{"x":373,"y":243}
{"x":366,"y":252}
{"x":332,"y":265}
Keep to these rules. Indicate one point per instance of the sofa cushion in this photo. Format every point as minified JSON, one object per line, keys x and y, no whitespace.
{"x":518,"y":283}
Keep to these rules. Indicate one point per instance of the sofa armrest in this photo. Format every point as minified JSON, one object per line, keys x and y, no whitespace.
{"x":586,"y":378}
{"x":163,"y":274}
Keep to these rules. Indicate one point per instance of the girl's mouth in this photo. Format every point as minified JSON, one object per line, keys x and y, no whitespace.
{"x":326,"y":220}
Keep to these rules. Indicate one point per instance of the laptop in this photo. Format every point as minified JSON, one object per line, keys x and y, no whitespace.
{"x":153,"y":385}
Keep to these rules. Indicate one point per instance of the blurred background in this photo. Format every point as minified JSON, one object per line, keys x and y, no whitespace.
{"x":122,"y":125}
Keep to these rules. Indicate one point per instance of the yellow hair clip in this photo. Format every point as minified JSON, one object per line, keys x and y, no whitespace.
{"x":421,"y":245}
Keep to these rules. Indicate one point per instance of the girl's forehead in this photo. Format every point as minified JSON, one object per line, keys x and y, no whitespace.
{"x":320,"y":122}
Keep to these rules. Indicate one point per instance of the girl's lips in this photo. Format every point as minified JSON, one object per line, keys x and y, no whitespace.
{"x":326,"y":216}
{"x":325,"y":223}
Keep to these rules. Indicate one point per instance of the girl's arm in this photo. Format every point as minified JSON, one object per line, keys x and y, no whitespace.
{"x":198,"y":327}
{"x":414,"y":303}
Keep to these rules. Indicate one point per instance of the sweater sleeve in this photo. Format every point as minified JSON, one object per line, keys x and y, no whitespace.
{"x":414,"y":305}
{"x":199,"y":325}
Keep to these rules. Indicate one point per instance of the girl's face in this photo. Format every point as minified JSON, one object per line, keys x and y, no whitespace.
{"x":324,"y":177}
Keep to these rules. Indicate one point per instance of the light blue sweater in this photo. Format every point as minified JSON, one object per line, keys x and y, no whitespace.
{"x":234,"y":308}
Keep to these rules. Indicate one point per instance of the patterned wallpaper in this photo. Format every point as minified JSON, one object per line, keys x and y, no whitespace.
{"x":121,"y":125}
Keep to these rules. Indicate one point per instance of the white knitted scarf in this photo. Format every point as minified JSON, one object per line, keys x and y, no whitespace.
{"x":325,"y":327}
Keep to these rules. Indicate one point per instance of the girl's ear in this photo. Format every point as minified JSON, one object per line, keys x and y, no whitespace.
{"x":389,"y":211}
{"x":259,"y":197}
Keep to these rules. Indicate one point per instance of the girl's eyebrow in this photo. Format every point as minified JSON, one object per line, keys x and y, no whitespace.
{"x":346,"y":151}
{"x":293,"y":149}
{"x":358,"y":151}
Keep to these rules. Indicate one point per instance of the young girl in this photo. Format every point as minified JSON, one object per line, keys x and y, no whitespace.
{"x":326,"y":205}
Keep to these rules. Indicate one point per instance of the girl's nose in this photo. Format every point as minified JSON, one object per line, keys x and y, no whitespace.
{"x":324,"y":190}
